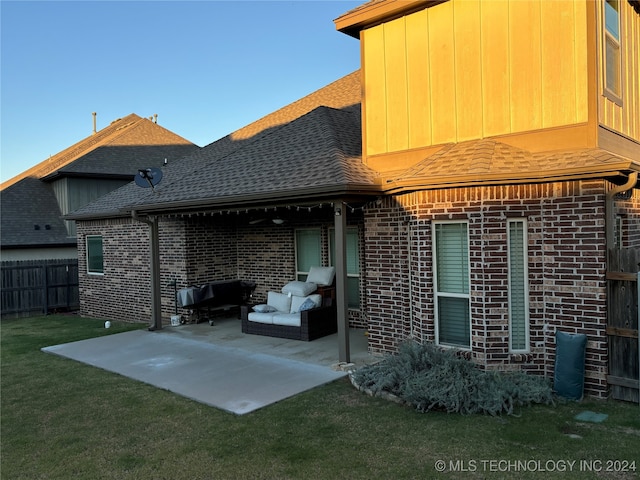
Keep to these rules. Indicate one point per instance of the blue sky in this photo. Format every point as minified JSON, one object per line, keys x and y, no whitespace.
{"x":206,"y":68}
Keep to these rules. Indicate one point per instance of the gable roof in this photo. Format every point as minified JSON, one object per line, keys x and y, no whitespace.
{"x":309,"y":148}
{"x":117,"y":150}
{"x":488,"y":161}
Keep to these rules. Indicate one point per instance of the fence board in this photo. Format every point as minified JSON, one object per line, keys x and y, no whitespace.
{"x":622,"y":324}
{"x":41,"y":286}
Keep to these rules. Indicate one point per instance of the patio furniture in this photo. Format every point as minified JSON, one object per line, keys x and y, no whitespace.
{"x":215,"y":297}
{"x":296,"y":314}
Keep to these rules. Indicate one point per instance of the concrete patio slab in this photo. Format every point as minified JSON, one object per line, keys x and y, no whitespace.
{"x":216,"y":365}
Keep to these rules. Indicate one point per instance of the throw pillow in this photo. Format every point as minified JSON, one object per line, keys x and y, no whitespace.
{"x":264,"y":308}
{"x":308,"y":304}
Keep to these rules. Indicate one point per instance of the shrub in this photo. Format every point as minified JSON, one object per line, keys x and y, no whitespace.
{"x":428,"y":377}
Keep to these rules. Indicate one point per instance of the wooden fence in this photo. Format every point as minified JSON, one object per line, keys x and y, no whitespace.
{"x":622,"y":324}
{"x":39,"y":286}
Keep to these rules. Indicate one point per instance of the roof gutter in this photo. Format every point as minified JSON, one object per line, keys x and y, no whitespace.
{"x":430,"y":183}
{"x":374,"y":13}
{"x":242,"y":201}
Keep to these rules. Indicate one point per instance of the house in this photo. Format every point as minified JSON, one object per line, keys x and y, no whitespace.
{"x":476,"y":185}
{"x":34,"y":201}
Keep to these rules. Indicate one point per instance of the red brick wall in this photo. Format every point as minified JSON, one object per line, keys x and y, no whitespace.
{"x":566,"y":248}
{"x":123,"y":291}
{"x":193,"y":250}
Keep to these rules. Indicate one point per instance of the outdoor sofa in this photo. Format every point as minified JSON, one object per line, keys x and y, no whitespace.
{"x":296,"y":312}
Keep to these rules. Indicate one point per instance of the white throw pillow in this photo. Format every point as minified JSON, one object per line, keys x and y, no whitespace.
{"x":301,"y":289}
{"x":281,"y":302}
{"x":321,"y":275}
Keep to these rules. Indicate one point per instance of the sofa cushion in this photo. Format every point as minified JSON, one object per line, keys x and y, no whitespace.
{"x":260,"y":317}
{"x":300,"y":289}
{"x":296,"y":302}
{"x":321,"y":275}
{"x":288,"y":319}
{"x":264,"y":308}
{"x":280,"y":301}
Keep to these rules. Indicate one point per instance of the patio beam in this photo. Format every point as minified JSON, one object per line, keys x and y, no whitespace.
{"x":340,"y":223}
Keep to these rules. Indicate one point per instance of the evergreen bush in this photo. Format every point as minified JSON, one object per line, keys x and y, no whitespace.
{"x":428,"y":377}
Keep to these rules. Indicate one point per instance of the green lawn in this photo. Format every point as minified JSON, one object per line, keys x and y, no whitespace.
{"x":62,"y":420}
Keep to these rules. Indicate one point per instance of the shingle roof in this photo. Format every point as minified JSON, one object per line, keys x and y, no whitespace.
{"x":309,"y":147}
{"x":315,"y":155}
{"x":25,"y":205}
{"x":116,"y":151}
{"x":490,"y":161}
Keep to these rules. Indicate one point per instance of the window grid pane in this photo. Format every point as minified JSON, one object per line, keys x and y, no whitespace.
{"x":518,"y":285}
{"x":308,"y":251}
{"x":452,"y":254}
{"x":353,"y":264}
{"x":453,"y":321}
{"x":94,"y":254}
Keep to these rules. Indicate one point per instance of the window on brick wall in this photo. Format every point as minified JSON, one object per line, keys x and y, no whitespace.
{"x":518,"y":286}
{"x":308,"y":251}
{"x":353,"y":264}
{"x":451,"y":255}
{"x":612,"y":61}
{"x":95,"y":257}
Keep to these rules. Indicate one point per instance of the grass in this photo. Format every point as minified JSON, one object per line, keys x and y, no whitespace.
{"x":61,"y":419}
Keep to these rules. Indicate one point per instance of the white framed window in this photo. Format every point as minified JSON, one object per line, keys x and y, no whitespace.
{"x":308,"y":251}
{"x":353,"y":264}
{"x":451,"y":282}
{"x":612,"y":61}
{"x":518,"y":286}
{"x":95,"y":256}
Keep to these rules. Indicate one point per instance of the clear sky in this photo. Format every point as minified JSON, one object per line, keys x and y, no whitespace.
{"x":206,"y":68}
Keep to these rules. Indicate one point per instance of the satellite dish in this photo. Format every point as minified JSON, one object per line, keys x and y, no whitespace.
{"x":148,"y":177}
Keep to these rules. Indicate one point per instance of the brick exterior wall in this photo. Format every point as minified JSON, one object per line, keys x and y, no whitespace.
{"x":566,"y":262}
{"x":193,"y":250}
{"x":566,"y":266}
{"x":123,"y":291}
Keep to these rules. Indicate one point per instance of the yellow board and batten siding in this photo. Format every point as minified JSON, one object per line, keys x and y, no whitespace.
{"x":470,"y":69}
{"x":624,"y":116}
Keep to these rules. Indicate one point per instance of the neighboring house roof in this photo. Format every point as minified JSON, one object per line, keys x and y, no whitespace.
{"x":489,"y":161}
{"x":310,"y":148}
{"x":115,"y":152}
{"x":121,"y":148}
{"x":140,"y":144}
{"x":26,"y":209}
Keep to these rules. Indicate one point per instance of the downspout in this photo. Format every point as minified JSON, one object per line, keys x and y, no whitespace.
{"x":154,"y":254}
{"x":610,"y":218}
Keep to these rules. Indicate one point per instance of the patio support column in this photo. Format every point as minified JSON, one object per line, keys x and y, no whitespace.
{"x":340,"y":262}
{"x":154,"y":254}
{"x":156,"y":296}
